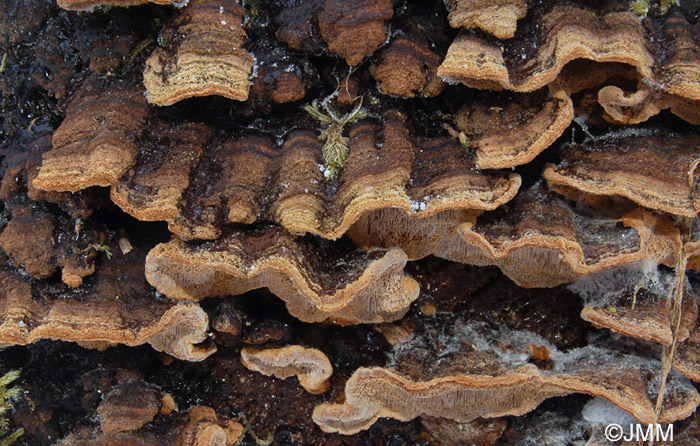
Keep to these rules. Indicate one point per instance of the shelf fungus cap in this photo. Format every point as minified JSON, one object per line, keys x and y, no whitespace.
{"x":371,"y":287}
{"x":540,"y":240}
{"x":495,"y":378}
{"x":309,"y":365}
{"x":103,"y":314}
{"x":128,"y":407}
{"x":98,"y":139}
{"x":567,"y":33}
{"x":505,"y":132}
{"x":658,"y":172}
{"x":83,"y":5}
{"x":639,"y":308}
{"x":204,"y":428}
{"x":202,"y":55}
{"x":354,"y":29}
{"x":498,"y":18}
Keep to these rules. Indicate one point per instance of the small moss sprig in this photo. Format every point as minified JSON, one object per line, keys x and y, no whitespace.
{"x":7,"y":397}
{"x":335,"y":149}
{"x":643,"y":7}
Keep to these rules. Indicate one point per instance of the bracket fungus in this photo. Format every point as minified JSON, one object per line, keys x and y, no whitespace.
{"x":495,"y":204}
{"x":202,"y":55}
{"x":567,"y":33}
{"x":108,"y":314}
{"x":497,"y":17}
{"x":639,"y":168}
{"x":96,"y":142}
{"x":316,"y":282}
{"x":494,"y":380}
{"x":309,"y":365}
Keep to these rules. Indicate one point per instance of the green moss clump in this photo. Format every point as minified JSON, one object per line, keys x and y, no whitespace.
{"x":335,"y":149}
{"x":7,"y":397}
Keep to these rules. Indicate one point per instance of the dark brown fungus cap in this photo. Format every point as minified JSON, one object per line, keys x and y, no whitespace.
{"x":199,"y":426}
{"x":116,"y":307}
{"x":537,"y":240}
{"x":656,"y":171}
{"x":81,"y":5}
{"x":28,"y":240}
{"x":128,"y":406}
{"x":407,"y":67}
{"x":497,"y":17}
{"x":309,"y":365}
{"x":250,"y":179}
{"x":540,"y":240}
{"x":354,"y":29}
{"x":204,"y":427}
{"x":35,"y":242}
{"x":679,"y":72}
{"x":152,"y":188}
{"x":641,"y":310}
{"x":202,"y":55}
{"x":506,"y":133}
{"x":98,"y":140}
{"x":480,"y":432}
{"x":493,"y":378}
{"x":623,"y":107}
{"x":687,"y":357}
{"x":305,"y":273}
{"x":567,"y":33}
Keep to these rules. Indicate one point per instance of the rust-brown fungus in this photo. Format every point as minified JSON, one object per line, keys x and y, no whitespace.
{"x":656,"y":171}
{"x":495,"y":17}
{"x":567,"y":33}
{"x":202,"y":55}
{"x":309,"y":365}
{"x":407,"y":67}
{"x":354,"y":29}
{"x":128,"y":406}
{"x":635,"y":303}
{"x":317,"y":281}
{"x":106,"y":313}
{"x":537,"y":240}
{"x":263,"y":182}
{"x":506,"y":133}
{"x":152,"y":188}
{"x":82,"y":5}
{"x":493,"y":378}
{"x":98,"y":140}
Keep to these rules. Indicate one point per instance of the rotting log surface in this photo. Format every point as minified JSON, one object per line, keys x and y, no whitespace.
{"x":566,"y":155}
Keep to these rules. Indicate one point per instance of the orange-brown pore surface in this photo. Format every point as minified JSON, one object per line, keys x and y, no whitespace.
{"x":98,"y":139}
{"x":202,"y":55}
{"x":537,"y":240}
{"x":485,"y":372}
{"x":505,"y":132}
{"x":317,"y":279}
{"x":311,"y":366}
{"x":622,"y":107}
{"x":497,"y":17}
{"x":82,"y":5}
{"x":114,"y":306}
{"x":656,"y":171}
